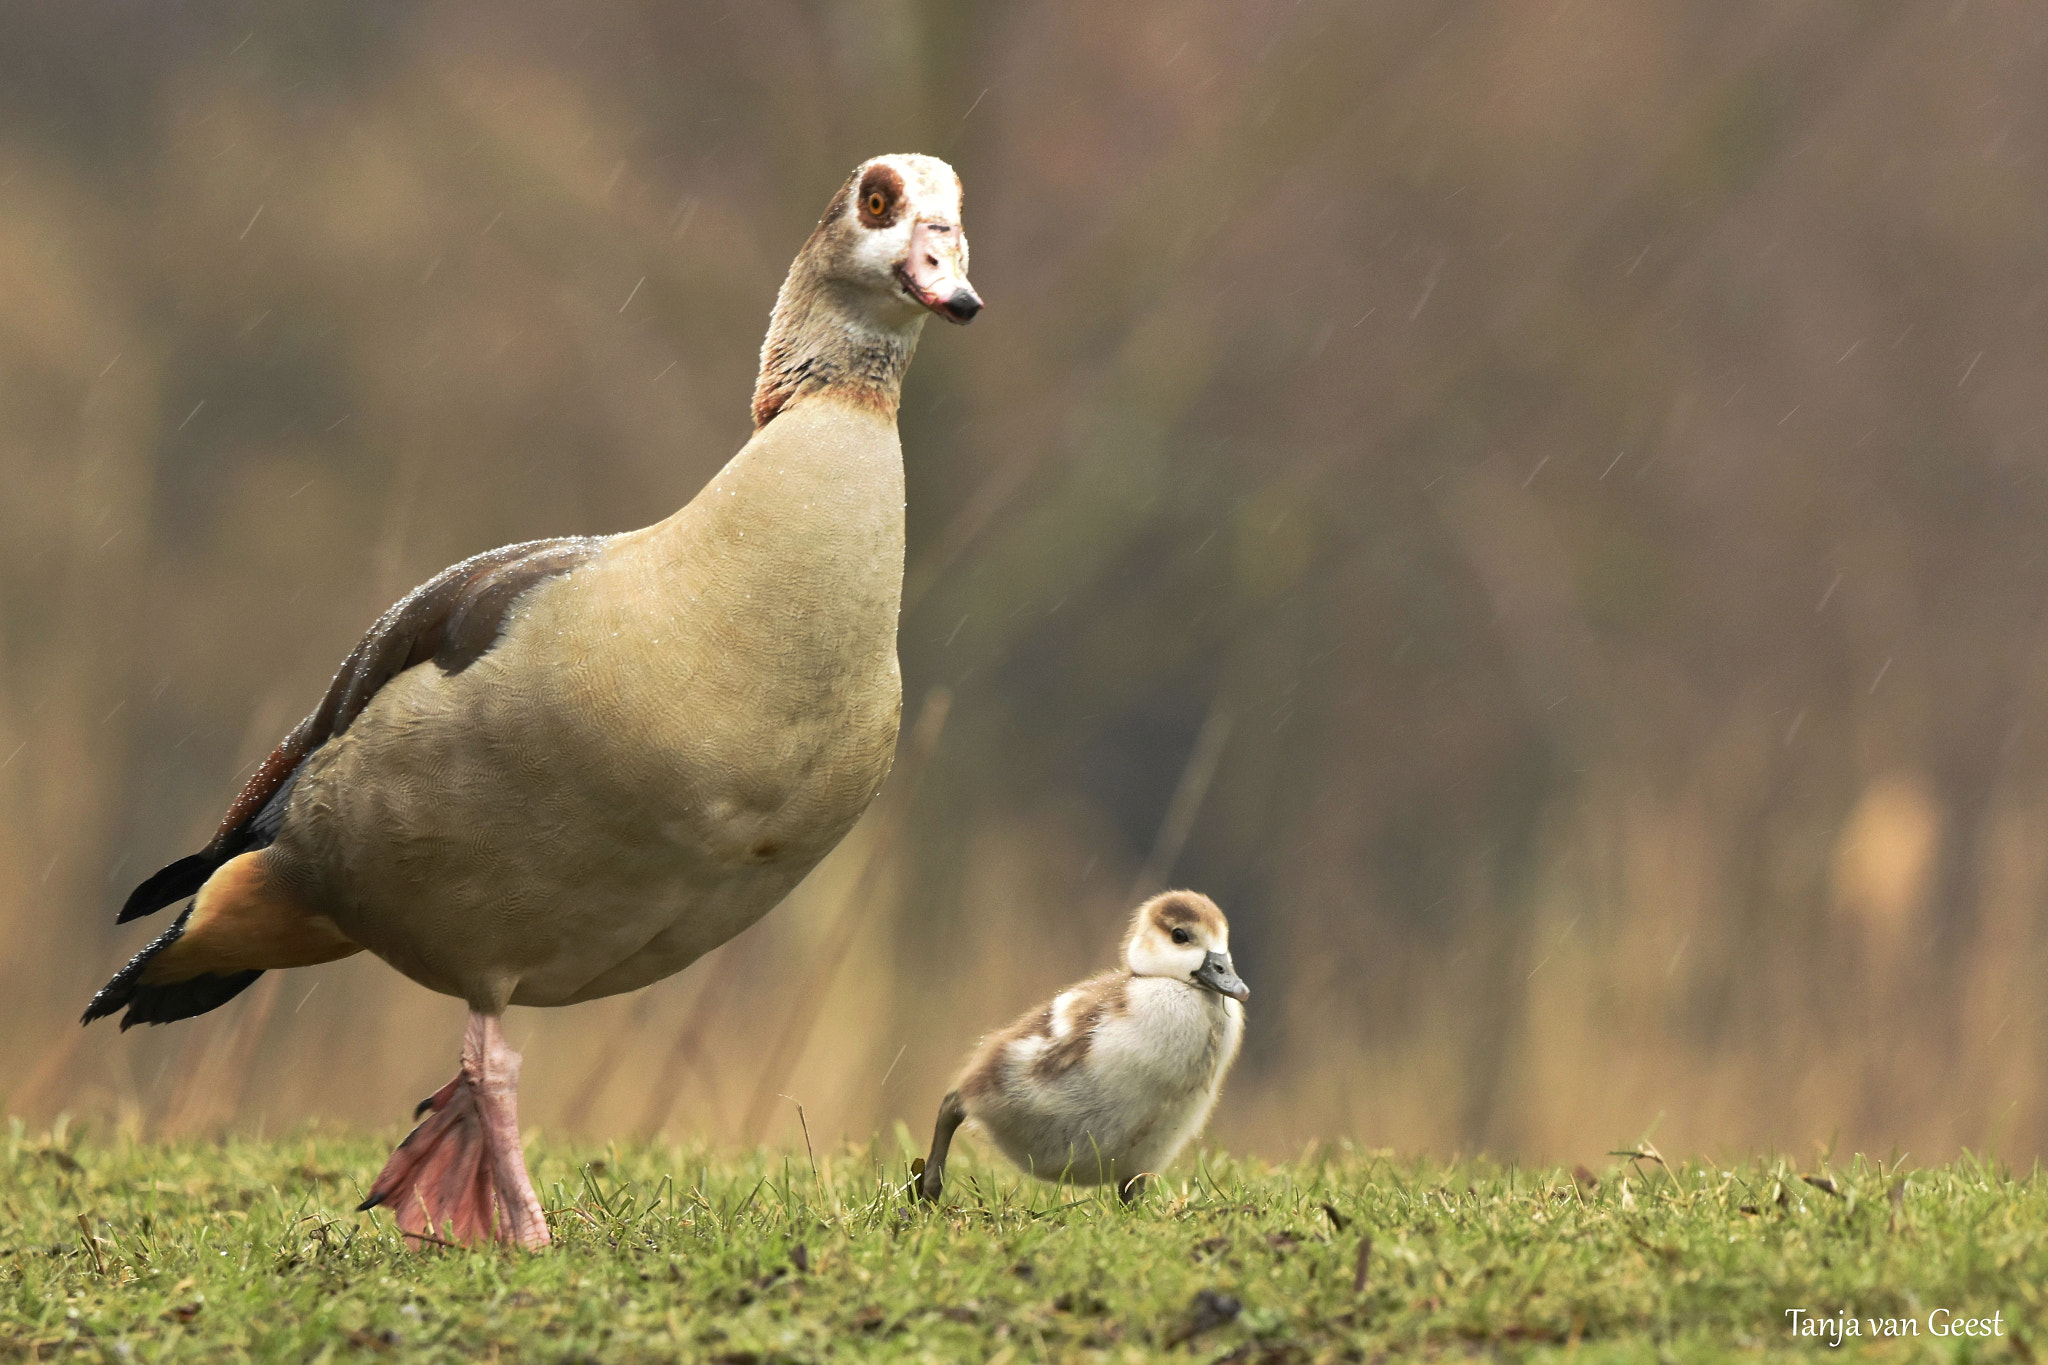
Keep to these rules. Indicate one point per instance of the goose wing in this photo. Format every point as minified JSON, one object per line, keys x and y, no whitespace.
{"x":452,"y":620}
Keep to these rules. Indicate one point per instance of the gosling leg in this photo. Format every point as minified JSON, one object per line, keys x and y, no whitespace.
{"x":1131,"y":1189}
{"x":952,"y":1114}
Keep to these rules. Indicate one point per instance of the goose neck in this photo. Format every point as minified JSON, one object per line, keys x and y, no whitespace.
{"x":821,"y":341}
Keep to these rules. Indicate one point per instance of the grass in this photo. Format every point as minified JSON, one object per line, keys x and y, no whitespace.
{"x":247,"y":1250}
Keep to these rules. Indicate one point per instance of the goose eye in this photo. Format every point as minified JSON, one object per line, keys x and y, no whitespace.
{"x":877,"y":205}
{"x":1180,"y":936}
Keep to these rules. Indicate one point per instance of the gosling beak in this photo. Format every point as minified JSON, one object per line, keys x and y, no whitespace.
{"x":1216,"y":974}
{"x":935,"y":273}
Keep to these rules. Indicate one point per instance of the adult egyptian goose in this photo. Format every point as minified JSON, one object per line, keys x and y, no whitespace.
{"x":568,"y":768}
{"x":1107,"y":1082}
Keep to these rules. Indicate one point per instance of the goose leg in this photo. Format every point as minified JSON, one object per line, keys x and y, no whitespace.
{"x":460,"y":1175}
{"x":1131,"y":1189}
{"x":951,"y":1114}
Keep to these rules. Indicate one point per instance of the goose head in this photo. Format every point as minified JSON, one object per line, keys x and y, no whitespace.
{"x":893,"y":239}
{"x":889,"y":252}
{"x":1181,"y":934}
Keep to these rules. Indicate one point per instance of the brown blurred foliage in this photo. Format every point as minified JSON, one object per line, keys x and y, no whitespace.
{"x":1536,"y":508}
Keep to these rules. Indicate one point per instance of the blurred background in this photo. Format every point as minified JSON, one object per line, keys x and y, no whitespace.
{"x":1538,"y":509}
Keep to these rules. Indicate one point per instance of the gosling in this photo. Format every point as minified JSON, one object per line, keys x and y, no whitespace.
{"x":1109,"y":1081}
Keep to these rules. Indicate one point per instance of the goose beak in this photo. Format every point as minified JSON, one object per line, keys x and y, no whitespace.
{"x":935,"y":273}
{"x":1216,"y":974}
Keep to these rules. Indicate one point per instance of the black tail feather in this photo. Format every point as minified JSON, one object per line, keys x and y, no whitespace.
{"x":168,"y":886}
{"x":162,"y":1004}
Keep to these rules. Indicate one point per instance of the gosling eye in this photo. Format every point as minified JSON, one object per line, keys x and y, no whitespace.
{"x":1181,"y":936}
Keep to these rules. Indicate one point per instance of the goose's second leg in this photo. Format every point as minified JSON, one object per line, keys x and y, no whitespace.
{"x":460,"y":1175}
{"x":951,"y":1114}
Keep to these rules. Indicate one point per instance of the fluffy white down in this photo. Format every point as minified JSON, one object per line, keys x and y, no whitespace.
{"x":1145,"y":1088}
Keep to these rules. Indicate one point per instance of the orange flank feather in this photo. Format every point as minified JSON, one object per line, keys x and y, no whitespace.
{"x":240,"y":922}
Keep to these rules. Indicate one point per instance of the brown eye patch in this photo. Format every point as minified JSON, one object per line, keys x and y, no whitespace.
{"x":879,"y":201}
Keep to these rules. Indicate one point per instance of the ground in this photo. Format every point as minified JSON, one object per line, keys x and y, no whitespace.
{"x":247,"y":1249}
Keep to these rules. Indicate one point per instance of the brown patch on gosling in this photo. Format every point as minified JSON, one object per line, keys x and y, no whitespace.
{"x":1104,"y":996}
{"x":1170,"y":910}
{"x":985,"y":1073}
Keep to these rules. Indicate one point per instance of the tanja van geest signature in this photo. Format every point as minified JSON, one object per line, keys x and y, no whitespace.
{"x":1940,"y":1323}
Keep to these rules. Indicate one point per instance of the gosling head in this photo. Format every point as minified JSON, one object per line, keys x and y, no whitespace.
{"x":893,"y":235}
{"x":1181,"y":934}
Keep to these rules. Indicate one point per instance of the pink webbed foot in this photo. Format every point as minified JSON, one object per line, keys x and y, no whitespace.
{"x":460,"y":1177}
